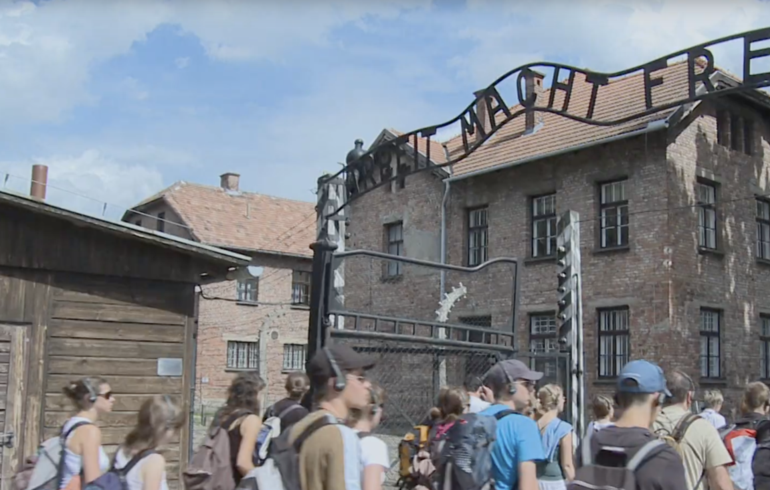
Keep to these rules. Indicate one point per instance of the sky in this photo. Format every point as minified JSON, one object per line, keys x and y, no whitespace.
{"x":123,"y":98}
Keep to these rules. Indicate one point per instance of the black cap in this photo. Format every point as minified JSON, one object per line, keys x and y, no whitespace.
{"x":320,"y":368}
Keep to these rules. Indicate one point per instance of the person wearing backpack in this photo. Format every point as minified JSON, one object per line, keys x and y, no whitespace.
{"x":748,"y":440}
{"x":297,"y":384}
{"x":697,"y":441}
{"x":558,"y":467}
{"x":328,"y":451}
{"x":518,"y":447}
{"x":374,"y":451}
{"x":713,"y":399}
{"x":84,"y":459}
{"x":603,"y":410}
{"x":239,"y":417}
{"x":627,"y":455}
{"x":136,"y":460}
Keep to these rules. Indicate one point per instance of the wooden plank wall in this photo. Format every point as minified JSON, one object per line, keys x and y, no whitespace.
{"x":99,"y":330}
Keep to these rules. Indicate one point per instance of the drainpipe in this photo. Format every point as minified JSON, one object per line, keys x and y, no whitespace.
{"x":444,"y":201}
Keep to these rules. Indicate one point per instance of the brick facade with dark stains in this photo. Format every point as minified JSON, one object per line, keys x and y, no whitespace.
{"x":661,"y":276}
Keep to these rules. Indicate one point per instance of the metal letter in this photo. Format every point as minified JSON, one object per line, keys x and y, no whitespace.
{"x":652,"y":82}
{"x":705,"y":75}
{"x":493,"y":95}
{"x":748,"y":55}
{"x":597,"y":80}
{"x":556,"y":85}
{"x":469,"y":127}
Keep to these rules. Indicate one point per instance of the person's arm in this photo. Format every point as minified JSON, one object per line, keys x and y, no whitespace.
{"x":566,"y":458}
{"x":373,"y":477}
{"x":716,"y":458}
{"x":152,"y":472}
{"x":250,"y":427}
{"x":527,"y":476}
{"x":90,"y":441}
{"x":719,"y":478}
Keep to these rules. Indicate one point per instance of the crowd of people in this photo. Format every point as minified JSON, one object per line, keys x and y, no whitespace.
{"x":647,"y":436}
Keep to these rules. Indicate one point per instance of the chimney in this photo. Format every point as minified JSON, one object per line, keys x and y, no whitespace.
{"x":39,"y":182}
{"x":533,"y":85}
{"x":229,"y":181}
{"x":481,"y":111}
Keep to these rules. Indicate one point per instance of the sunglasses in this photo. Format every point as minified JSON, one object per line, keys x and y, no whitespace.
{"x":106,"y":396}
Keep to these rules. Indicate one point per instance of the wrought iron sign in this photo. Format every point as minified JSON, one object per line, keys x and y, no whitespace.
{"x":389,"y":161}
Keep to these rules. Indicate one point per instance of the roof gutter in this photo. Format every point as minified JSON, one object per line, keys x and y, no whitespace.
{"x":651,"y":127}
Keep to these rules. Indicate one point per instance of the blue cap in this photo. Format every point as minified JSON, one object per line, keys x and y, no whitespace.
{"x":649,"y":378}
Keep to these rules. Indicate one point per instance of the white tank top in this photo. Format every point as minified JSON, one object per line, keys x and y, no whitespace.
{"x":134,"y":477}
{"x":73,"y":463}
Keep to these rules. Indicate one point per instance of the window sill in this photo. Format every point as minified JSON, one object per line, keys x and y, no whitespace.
{"x":247,"y":303}
{"x":241,"y":370}
{"x":622,"y":248}
{"x":713,"y":381}
{"x":300,"y":307}
{"x":711,"y":251}
{"x":289,"y":371}
{"x":550,"y":259}
{"x":764,"y":262}
{"x":605,"y":381}
{"x":392,"y":279}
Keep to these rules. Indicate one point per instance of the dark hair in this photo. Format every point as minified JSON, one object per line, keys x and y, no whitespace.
{"x":679,"y":384}
{"x":625,"y":399}
{"x":242,"y":395}
{"x":472,"y":383}
{"x":451,"y":404}
{"x":499,"y":385}
{"x":297,"y":385}
{"x":81,"y":391}
{"x":157,"y":415}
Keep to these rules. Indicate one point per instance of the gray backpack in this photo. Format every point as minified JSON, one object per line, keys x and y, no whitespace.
{"x":46,"y":474}
{"x":210,"y":467}
{"x":616,"y":470}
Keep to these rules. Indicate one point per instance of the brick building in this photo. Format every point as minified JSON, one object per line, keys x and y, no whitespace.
{"x":675,"y":233}
{"x":250,"y":323}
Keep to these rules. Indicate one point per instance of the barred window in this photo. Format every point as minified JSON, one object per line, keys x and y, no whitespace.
{"x":706,"y":195}
{"x":763,"y":229}
{"x":710,"y":348}
{"x":543,"y":225}
{"x":477,"y":236}
{"x":477,"y":321}
{"x":300,"y":288}
{"x":614,"y":214}
{"x":764,"y":345}
{"x":395,"y":233}
{"x":248,"y":290}
{"x":242,"y":355}
{"x":613,"y":341}
{"x":294,"y":357}
{"x":543,"y":339}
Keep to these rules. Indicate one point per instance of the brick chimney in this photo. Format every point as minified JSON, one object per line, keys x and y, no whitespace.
{"x":532,"y":85}
{"x":229,"y":181}
{"x":39,"y":182}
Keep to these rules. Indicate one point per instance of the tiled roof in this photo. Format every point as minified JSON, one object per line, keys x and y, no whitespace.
{"x":619,"y":98}
{"x":243,"y":220}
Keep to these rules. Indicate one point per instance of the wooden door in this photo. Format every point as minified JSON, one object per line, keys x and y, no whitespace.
{"x":12,"y":351}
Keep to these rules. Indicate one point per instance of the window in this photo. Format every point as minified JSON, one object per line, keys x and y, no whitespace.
{"x":138,"y":222}
{"x":476,"y":321}
{"x":242,"y":355}
{"x":748,"y":136}
{"x":710,"y":353}
{"x":763,"y":229}
{"x":706,"y":196}
{"x":764,"y":345}
{"x":300,"y":288}
{"x":160,"y":223}
{"x":544,"y":226}
{"x":613,"y":341}
{"x":614,"y":214}
{"x":736,"y":132}
{"x":248,"y":290}
{"x":543,"y":339}
{"x":477,"y":236}
{"x":723,"y":122}
{"x":395,"y":233}
{"x":294,"y":357}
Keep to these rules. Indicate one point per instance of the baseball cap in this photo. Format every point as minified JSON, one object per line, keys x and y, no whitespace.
{"x":648,"y":377}
{"x":320,"y":369}
{"x":509,"y":370}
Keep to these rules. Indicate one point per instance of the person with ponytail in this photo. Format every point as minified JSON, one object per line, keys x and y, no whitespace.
{"x":84,"y":458}
{"x":374,"y":451}
{"x":159,"y":420}
{"x":290,"y":409}
{"x":558,"y":468}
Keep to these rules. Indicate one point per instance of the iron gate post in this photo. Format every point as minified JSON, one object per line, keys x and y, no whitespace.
{"x":319,"y":291}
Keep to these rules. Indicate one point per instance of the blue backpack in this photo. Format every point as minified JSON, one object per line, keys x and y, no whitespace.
{"x":115,"y":478}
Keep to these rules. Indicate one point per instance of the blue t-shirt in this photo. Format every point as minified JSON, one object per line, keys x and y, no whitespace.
{"x":518,"y":439}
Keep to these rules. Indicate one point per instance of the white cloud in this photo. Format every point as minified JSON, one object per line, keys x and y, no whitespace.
{"x":92,"y":182}
{"x":182,"y":63}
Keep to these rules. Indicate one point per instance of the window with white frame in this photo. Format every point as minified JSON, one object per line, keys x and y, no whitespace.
{"x":710,"y":345}
{"x":478,"y":235}
{"x":763,"y":229}
{"x":764,"y":345}
{"x":248,"y":290}
{"x":706,"y":196}
{"x":294,"y":357}
{"x":242,"y":355}
{"x":544,"y":226}
{"x":614,"y":214}
{"x":395,"y":234}
{"x":613,"y":341}
{"x":542,"y":340}
{"x":300,"y":287}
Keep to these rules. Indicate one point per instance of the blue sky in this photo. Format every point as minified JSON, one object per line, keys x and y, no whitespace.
{"x":123,"y":98}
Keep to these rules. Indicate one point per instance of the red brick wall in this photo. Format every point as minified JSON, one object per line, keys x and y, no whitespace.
{"x":221,"y":320}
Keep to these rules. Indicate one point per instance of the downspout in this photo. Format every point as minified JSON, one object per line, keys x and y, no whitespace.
{"x":194,"y":376}
{"x":444,"y":201}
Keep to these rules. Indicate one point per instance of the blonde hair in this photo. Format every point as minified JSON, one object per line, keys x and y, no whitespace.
{"x":376,"y":401}
{"x":157,"y":416}
{"x":548,"y":398}
{"x":755,"y":396}
{"x":712,"y":398}
{"x":451,"y":404}
{"x":601,"y":406}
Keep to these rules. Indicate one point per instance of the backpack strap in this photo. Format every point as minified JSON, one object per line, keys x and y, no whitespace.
{"x":585,"y":450}
{"x":63,"y":444}
{"x":504,"y":413}
{"x":645,"y":452}
{"x":362,"y":435}
{"x":132,"y":462}
{"x":322,"y":422}
{"x":226,"y":423}
{"x":683,"y":425}
{"x":288,"y":409}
